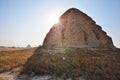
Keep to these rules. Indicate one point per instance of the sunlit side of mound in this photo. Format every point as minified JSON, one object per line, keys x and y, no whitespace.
{"x":77,"y":29}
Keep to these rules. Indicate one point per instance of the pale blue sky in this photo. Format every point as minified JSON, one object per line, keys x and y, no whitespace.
{"x":25,"y":22}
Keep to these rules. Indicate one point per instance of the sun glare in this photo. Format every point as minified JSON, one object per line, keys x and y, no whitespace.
{"x":53,"y":18}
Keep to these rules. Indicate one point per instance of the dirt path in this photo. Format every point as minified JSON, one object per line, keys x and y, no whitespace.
{"x":8,"y":75}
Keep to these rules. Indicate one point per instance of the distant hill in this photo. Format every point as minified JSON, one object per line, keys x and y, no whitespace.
{"x":28,"y":46}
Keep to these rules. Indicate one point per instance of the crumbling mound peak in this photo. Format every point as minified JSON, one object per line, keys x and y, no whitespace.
{"x":77,"y":29}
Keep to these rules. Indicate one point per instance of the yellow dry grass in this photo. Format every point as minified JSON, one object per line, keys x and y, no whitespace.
{"x":14,"y":58}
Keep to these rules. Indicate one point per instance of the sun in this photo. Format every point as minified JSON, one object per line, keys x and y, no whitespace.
{"x":53,"y":18}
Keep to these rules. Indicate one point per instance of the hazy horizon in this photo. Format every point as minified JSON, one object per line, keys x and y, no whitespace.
{"x":24,"y":22}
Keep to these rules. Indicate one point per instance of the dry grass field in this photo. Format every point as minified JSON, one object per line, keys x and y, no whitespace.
{"x":73,"y":63}
{"x":12,"y":58}
{"x":92,"y":65}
